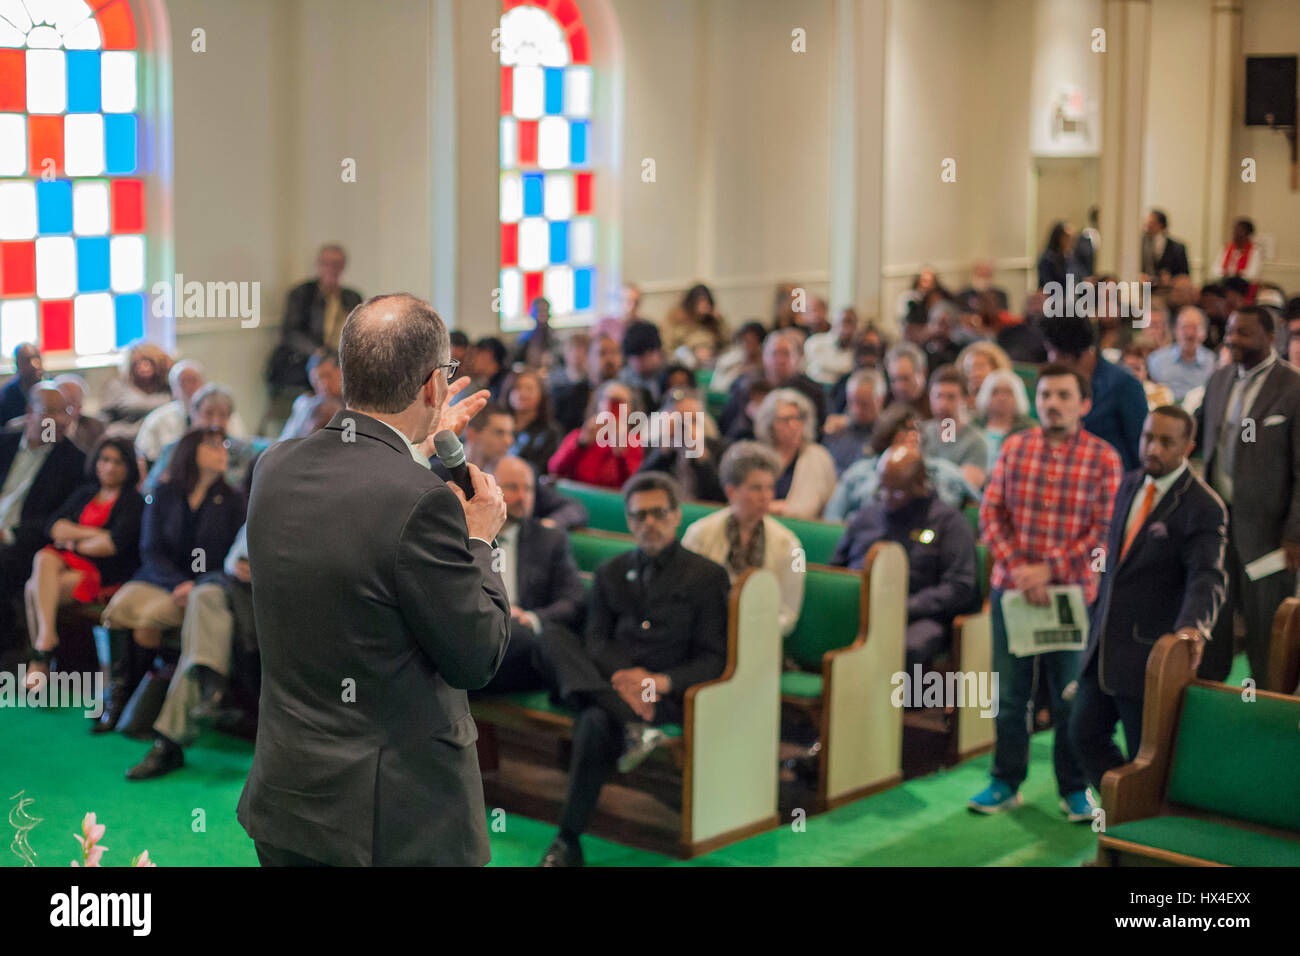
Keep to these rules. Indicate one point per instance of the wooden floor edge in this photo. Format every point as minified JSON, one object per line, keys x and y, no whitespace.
{"x":692,"y":850}
{"x":832,"y":803}
{"x":1139,"y":849}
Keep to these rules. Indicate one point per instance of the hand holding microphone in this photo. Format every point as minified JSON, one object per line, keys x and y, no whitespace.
{"x":484,"y":504}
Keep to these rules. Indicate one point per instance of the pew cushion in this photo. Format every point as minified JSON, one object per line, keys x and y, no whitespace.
{"x":1209,"y":840}
{"x":540,"y":701}
{"x":1238,"y":759}
{"x":801,"y":684}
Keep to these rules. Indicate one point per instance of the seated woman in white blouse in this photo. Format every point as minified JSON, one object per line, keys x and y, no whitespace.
{"x":743,"y":535}
{"x":787,"y":423}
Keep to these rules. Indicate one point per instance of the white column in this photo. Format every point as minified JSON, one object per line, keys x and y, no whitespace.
{"x":1224,"y":66}
{"x":1128,"y":31}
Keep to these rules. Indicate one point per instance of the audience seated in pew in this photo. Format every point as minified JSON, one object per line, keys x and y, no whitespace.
{"x":167,"y":423}
{"x":84,"y":430}
{"x":869,"y":354}
{"x":782,"y":368}
{"x":573,"y":400}
{"x":643,"y":360}
{"x":689,"y":447}
{"x":140,"y":387}
{"x":657,"y":624}
{"x":848,"y":436}
{"x":541,"y":580}
{"x":948,"y":434}
{"x":975,"y":363}
{"x":786,"y":424}
{"x":40,"y":467}
{"x":744,"y":358}
{"x":1002,"y":409}
{"x":29,"y":369}
{"x":192,"y":508}
{"x":829,"y":355}
{"x":95,"y":537}
{"x":318,"y":405}
{"x":596,"y":453}
{"x":906,"y":366}
{"x":897,"y":425}
{"x":942,"y":579}
{"x":743,"y":535}
{"x":211,"y":408}
{"x":537,"y":436}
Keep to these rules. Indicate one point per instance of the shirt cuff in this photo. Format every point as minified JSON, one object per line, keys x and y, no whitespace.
{"x":534,"y":621}
{"x":488,"y":543}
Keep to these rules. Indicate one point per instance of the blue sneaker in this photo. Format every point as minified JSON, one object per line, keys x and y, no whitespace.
{"x":995,"y":797}
{"x":1079,"y":805}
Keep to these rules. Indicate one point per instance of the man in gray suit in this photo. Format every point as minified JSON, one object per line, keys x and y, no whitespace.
{"x":1251,"y":429}
{"x":377,"y":607}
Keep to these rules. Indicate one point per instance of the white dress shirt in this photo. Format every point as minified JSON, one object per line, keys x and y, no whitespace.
{"x":22,"y":472}
{"x":1163,"y":484}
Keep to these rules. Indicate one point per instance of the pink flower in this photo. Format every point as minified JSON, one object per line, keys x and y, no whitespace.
{"x":90,"y":829}
{"x":92,"y":832}
{"x":143,"y":860}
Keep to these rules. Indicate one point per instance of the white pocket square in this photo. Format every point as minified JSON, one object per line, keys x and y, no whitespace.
{"x":1274,"y":420}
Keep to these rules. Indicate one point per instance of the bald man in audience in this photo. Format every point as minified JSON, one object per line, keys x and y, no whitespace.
{"x":85,"y":431}
{"x":540,"y":575}
{"x":942,"y":578}
{"x":783,"y":360}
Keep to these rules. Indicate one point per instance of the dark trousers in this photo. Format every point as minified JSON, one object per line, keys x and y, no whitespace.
{"x":15,"y":569}
{"x":268,"y":855}
{"x":1257,"y":602}
{"x":1014,"y":719}
{"x":1092,"y":725}
{"x":520,"y":669}
{"x":926,"y":638}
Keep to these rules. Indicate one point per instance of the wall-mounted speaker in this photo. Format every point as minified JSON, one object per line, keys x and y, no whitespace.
{"x":1271,"y":91}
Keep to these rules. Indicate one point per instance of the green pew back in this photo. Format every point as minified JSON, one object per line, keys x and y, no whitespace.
{"x":1254,"y":778}
{"x":590,"y":551}
{"x":693,"y":511}
{"x":829,"y":617}
{"x":1029,"y":375}
{"x":604,"y":505}
{"x":818,"y":538}
{"x":982,"y":570}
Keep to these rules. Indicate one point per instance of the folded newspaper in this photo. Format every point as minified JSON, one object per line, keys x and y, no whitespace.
{"x":1060,"y":625}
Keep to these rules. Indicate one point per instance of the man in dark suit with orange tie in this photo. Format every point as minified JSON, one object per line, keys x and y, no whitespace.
{"x":1163,"y":574}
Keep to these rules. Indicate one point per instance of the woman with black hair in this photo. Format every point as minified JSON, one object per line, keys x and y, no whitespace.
{"x":1057,"y":260}
{"x":537,"y":436}
{"x":193,"y":512}
{"x":695,"y":323}
{"x":96,"y":535}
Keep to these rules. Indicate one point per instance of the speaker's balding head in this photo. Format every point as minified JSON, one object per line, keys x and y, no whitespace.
{"x":389,"y":346}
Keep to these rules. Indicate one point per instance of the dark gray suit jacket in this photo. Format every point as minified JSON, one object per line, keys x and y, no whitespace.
{"x":1266,"y":483}
{"x":375,"y":613}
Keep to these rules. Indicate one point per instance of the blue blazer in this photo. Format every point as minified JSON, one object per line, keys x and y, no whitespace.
{"x":1171,"y":578}
{"x":171,"y":532}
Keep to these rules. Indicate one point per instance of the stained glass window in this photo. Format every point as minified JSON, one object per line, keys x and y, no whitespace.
{"x":72,"y":210}
{"x":548,"y":227}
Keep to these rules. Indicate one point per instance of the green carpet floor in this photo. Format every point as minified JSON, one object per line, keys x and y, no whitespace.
{"x":188,"y":817}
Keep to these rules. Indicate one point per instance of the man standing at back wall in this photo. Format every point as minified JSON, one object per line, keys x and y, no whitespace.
{"x":377,"y":607}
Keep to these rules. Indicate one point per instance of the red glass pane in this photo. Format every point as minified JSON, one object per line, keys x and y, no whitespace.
{"x":527,"y":142}
{"x":509,"y":244}
{"x":44,"y":141}
{"x":566,"y":11}
{"x":126,"y":198}
{"x":117,"y":25}
{"x":13,"y":81}
{"x":17,"y":268}
{"x":532,"y":286}
{"x":511,"y":4}
{"x":582,"y":202}
{"x":56,"y":326}
{"x":507,"y":90}
{"x":579,"y":47}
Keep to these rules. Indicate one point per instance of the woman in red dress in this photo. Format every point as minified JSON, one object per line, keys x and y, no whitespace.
{"x":96,"y":535}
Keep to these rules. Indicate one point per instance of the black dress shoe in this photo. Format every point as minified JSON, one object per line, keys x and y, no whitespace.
{"x":163,"y":757}
{"x":212,"y":695}
{"x":562,"y":853}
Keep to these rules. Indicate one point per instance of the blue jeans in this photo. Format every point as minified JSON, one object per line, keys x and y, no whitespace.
{"x":1014,"y":720}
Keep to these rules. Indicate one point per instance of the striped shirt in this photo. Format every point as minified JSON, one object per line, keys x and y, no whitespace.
{"x":1050,"y":504}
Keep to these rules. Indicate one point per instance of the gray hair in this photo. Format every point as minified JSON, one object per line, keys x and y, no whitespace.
{"x":71,"y":378}
{"x":653,"y":481}
{"x":212,"y":390}
{"x":1000,"y":376}
{"x":174,"y":376}
{"x":766,"y":413}
{"x":389,"y":347}
{"x":796,"y":342}
{"x":911,"y":351}
{"x":744,"y":457}
{"x":873,"y":377}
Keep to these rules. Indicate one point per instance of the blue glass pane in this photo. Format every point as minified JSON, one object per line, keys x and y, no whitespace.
{"x":559,"y":243}
{"x":119,"y":143}
{"x":579,"y":132}
{"x":83,"y":81}
{"x":92,"y":264}
{"x":554,"y":90}
{"x":532,"y":194}
{"x":54,"y":207}
{"x":130,"y":318}
{"x":583,"y":280}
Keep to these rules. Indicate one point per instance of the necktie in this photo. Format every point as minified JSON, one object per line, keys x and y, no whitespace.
{"x":1138,"y":519}
{"x":1232,"y":425}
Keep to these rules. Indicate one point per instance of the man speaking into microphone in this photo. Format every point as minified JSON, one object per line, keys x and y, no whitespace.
{"x":377,"y":607}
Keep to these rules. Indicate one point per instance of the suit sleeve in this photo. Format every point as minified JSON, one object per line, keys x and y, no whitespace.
{"x":297,"y":315}
{"x":1206,"y":584}
{"x":566,"y":587}
{"x":452,"y":600}
{"x":709,"y":642}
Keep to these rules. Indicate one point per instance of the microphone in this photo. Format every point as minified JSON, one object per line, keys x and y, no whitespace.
{"x":452,"y":455}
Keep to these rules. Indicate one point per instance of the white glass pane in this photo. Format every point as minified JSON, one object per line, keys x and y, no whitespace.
{"x":44,"y":38}
{"x":64,"y":15}
{"x":529,"y":92}
{"x":90,"y":208}
{"x":117,"y":71}
{"x":15,"y":12}
{"x":56,"y":267}
{"x":577,"y":91}
{"x":17,"y":210}
{"x":512,"y":197}
{"x":17,"y":324}
{"x":509,"y":144}
{"x":557,"y":286}
{"x":558,"y":197}
{"x":13,"y":144}
{"x":84,"y":36}
{"x":582,"y":242}
{"x":93,"y":327}
{"x":11,"y":38}
{"x":126,"y":258}
{"x":553,"y":142}
{"x":531,"y":36}
{"x":534,"y":244}
{"x":83,"y":144}
{"x":512,"y":294}
{"x":47,"y":81}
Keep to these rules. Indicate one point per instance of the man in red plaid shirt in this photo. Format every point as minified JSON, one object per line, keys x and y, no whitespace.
{"x":1045,"y":515}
